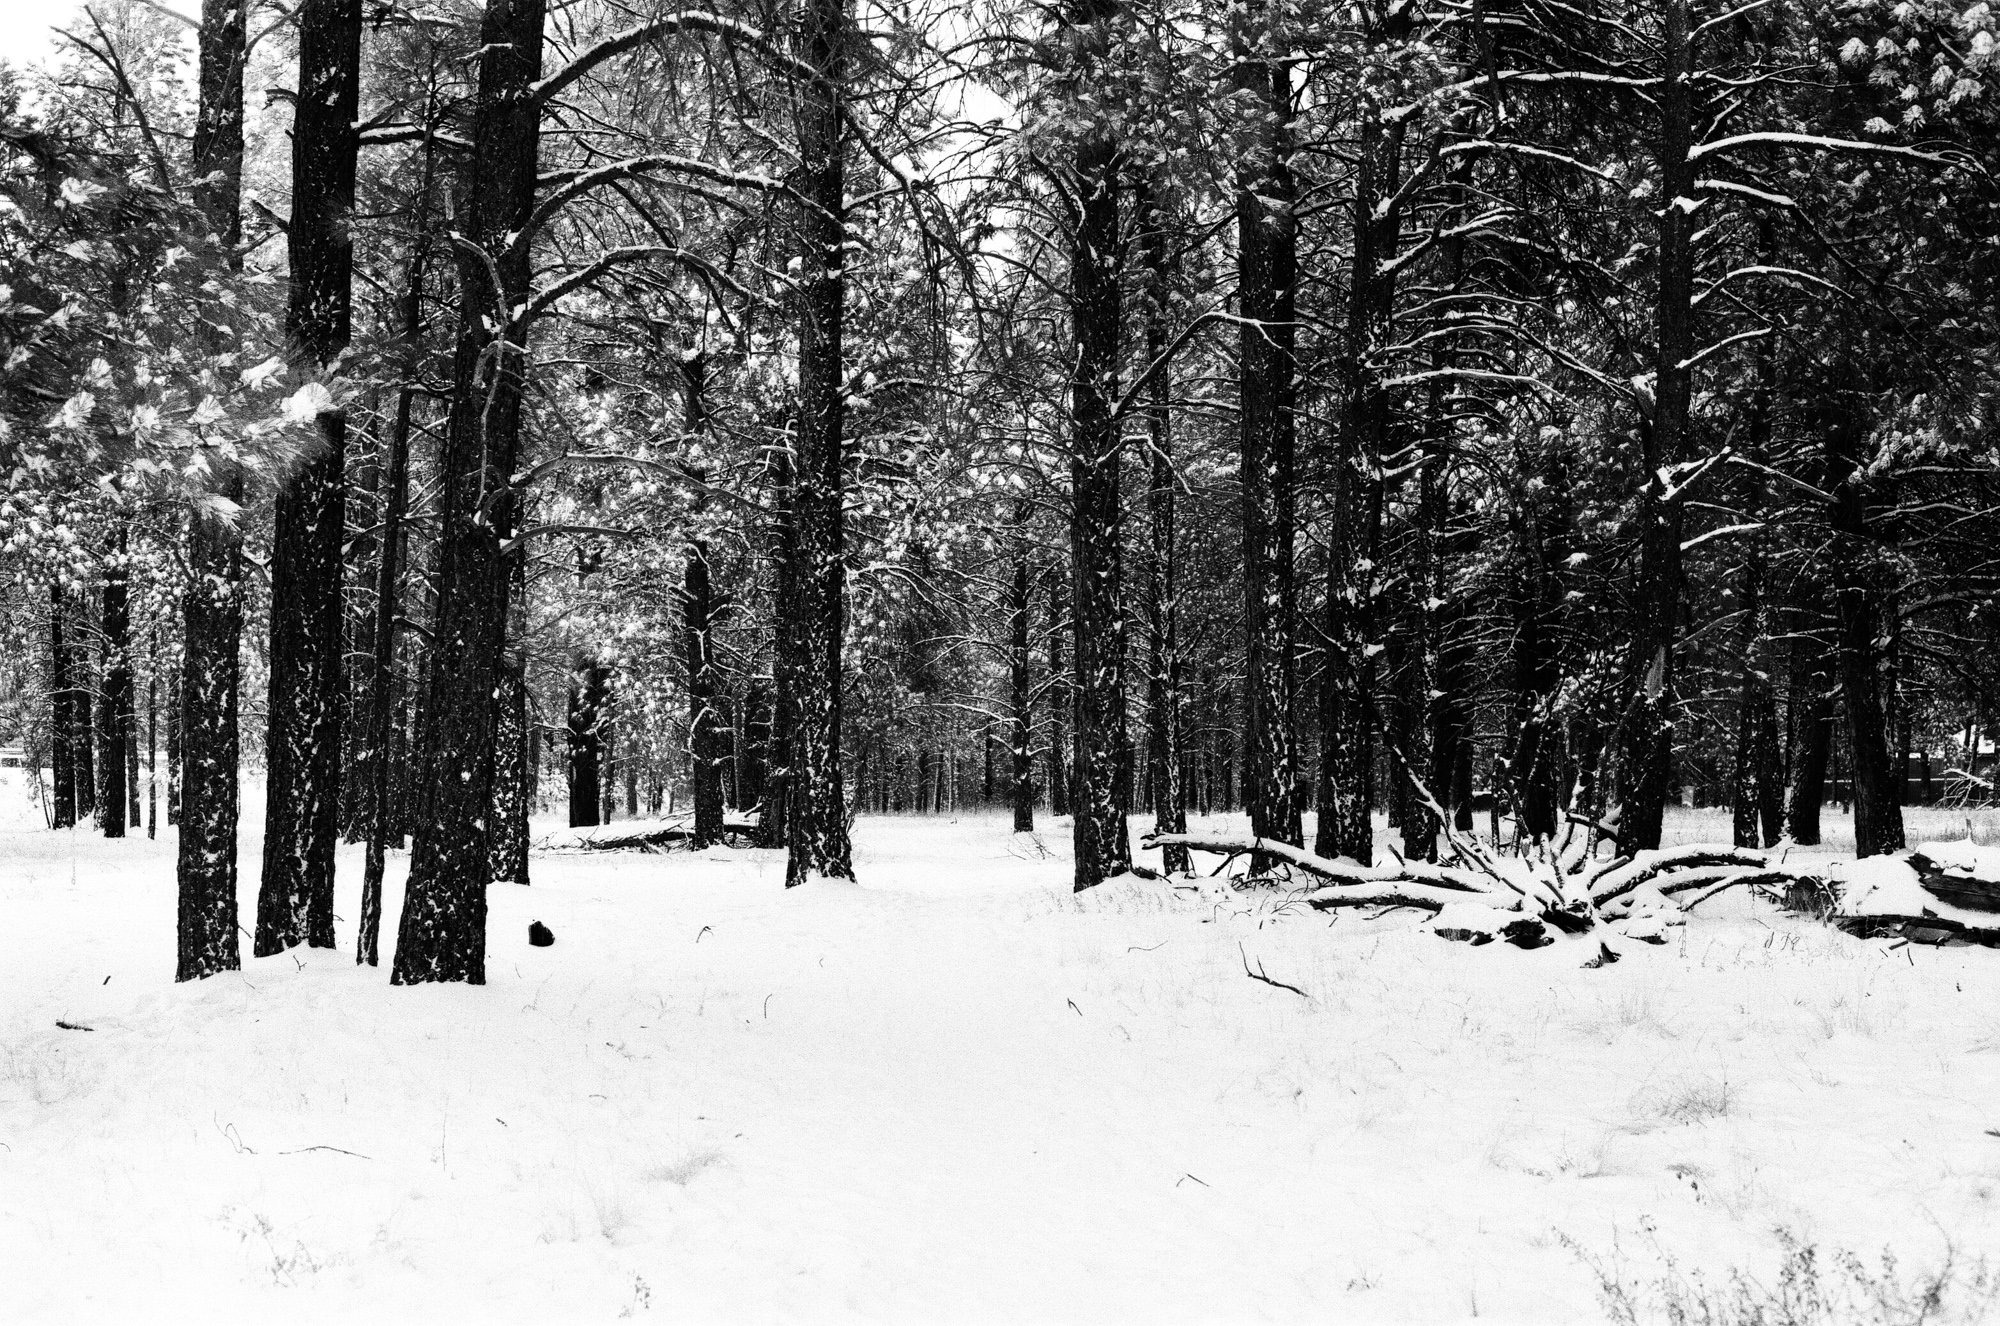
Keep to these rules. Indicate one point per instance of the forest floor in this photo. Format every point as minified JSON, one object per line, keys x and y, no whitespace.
{"x":959,"y":1093}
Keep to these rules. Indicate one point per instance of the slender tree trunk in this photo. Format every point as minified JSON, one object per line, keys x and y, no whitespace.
{"x":1163,"y":680}
{"x":816,"y":837}
{"x":510,"y":750}
{"x":1103,"y":847}
{"x":83,"y":730}
{"x":377,"y":764}
{"x":1812,"y":720}
{"x":586,"y":743}
{"x":442,"y":934}
{"x":1348,"y":679}
{"x":1020,"y":742}
{"x":211,"y":604}
{"x":787,"y":663}
{"x":1060,"y":702}
{"x":706,"y":729}
{"x":302,"y":811}
{"x":1647,"y":766}
{"x":153,"y":741}
{"x":62,"y":715}
{"x":707,"y":725}
{"x":1267,"y":283}
{"x":115,"y":695}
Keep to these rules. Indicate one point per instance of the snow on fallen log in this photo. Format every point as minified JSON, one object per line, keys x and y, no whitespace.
{"x":636,"y":835}
{"x":1895,"y":895}
{"x":1338,"y":870}
{"x":1682,"y":865}
{"x":1513,"y":898}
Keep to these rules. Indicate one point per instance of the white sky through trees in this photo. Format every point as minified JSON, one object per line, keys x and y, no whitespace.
{"x":26,"y":35}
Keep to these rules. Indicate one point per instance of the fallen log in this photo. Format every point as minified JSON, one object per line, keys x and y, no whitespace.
{"x":638,"y":835}
{"x":1939,"y":894}
{"x":1959,"y":874}
{"x":1511,"y":899}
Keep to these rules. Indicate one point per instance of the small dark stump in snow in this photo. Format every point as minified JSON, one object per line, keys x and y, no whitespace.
{"x":540,"y":935}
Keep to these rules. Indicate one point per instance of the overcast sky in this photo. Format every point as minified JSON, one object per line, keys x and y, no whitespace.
{"x":24,"y":25}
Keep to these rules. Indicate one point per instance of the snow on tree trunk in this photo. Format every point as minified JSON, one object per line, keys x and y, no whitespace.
{"x":303,"y":741}
{"x":706,"y":726}
{"x":442,"y":933}
{"x":1163,"y":686}
{"x":212,"y":602}
{"x":1647,"y":760}
{"x":816,"y":834}
{"x":1267,"y":297}
{"x":115,"y":694}
{"x":1096,"y":455}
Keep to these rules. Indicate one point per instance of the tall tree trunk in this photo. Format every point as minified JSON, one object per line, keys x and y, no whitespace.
{"x":1163,"y":664}
{"x":586,"y":742}
{"x":1060,"y":699}
{"x":442,"y":934}
{"x":816,"y":837}
{"x":62,"y":715}
{"x":302,"y":810}
{"x":1812,"y":723}
{"x":1020,"y":693}
{"x":1348,"y":678}
{"x":153,"y":740}
{"x":376,"y":767}
{"x":511,"y":778}
{"x":1647,"y":765}
{"x":787,"y":663}
{"x":115,"y":694}
{"x":1267,"y":283}
{"x":707,"y":725}
{"x":83,"y":728}
{"x":1103,"y":847}
{"x":211,"y":604}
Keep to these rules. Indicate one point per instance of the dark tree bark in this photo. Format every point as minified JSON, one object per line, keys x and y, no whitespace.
{"x":63,"y":700}
{"x":1020,"y":693}
{"x":1864,"y":615}
{"x":1060,"y":704}
{"x":816,"y":836}
{"x":707,"y":726}
{"x":115,"y":692}
{"x":786,"y":661}
{"x":1096,"y":457}
{"x":707,"y":732}
{"x":302,"y":812}
{"x":153,"y":740}
{"x":1647,"y":764}
{"x":510,"y":743}
{"x":1266,"y":285}
{"x":1812,"y":723}
{"x":211,"y":604}
{"x":587,"y":687}
{"x":1163,"y":663}
{"x":83,"y":731}
{"x":1878,"y":812}
{"x":442,"y":934}
{"x":1531,"y":766}
{"x":377,"y":763}
{"x":1346,"y":791}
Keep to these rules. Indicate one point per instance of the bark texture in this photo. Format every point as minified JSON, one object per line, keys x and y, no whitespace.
{"x":211,"y":603}
{"x":303,"y":741}
{"x":442,"y":932}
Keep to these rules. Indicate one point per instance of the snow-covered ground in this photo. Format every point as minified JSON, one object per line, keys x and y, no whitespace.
{"x":957,"y":1093}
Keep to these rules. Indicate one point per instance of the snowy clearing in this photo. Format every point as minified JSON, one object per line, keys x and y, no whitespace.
{"x":956,"y":1093}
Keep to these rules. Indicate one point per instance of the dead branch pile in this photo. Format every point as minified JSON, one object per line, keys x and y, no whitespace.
{"x":1480,"y":897}
{"x":641,"y":835}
